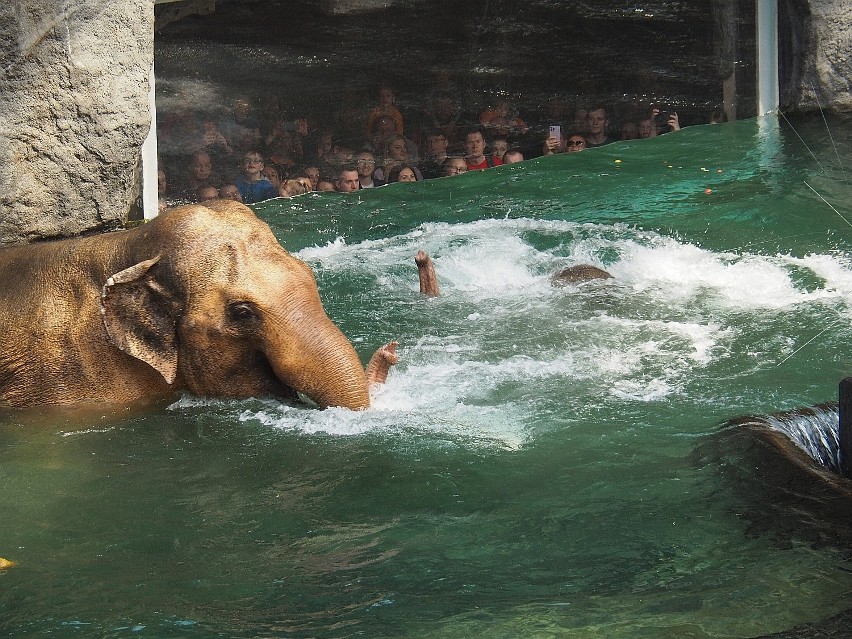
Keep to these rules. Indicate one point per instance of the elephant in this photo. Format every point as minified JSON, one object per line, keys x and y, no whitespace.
{"x":201,"y":299}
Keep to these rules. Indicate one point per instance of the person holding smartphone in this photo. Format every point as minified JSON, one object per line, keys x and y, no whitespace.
{"x":553,"y":143}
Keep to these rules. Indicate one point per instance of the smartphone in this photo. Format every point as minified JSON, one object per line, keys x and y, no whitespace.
{"x":556,"y":132}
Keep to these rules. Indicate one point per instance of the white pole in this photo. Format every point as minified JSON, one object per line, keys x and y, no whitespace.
{"x":150,"y":200}
{"x":767,"y":56}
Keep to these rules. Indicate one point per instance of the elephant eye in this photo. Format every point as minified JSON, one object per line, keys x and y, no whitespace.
{"x":243,"y":312}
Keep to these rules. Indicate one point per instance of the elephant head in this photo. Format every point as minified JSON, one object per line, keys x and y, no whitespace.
{"x":216,"y":306}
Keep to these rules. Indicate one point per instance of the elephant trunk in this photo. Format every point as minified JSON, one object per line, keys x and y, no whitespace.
{"x":315,"y":358}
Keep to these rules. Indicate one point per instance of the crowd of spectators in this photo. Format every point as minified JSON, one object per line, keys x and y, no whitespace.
{"x":254,"y":152}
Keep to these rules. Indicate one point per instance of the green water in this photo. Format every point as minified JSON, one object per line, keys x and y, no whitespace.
{"x":543,"y":462}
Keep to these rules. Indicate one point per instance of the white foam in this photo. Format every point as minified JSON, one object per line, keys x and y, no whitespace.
{"x":686,"y":272}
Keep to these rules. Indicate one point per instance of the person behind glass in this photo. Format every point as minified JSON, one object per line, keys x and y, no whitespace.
{"x":498,"y":146}
{"x":303,"y":183}
{"x":403,"y":173}
{"x":395,"y":153}
{"x":385,"y":107}
{"x":580,"y":121}
{"x":443,"y":115}
{"x":554,"y":142}
{"x":436,"y":153}
{"x":647,"y":128}
{"x":718,"y":116}
{"x":575,"y":143}
{"x":350,"y":115}
{"x":474,"y":145}
{"x":667,"y":121}
{"x":272,"y":173}
{"x":252,"y":184}
{"x":341,"y":153}
{"x":513,"y":155}
{"x":294,"y":186}
{"x":382,"y":130}
{"x":199,"y":173}
{"x":598,"y":123}
{"x":206,"y":193}
{"x":230,"y":192}
{"x":365,"y":162}
{"x":312,"y":172}
{"x":241,"y":129}
{"x":454,"y":165}
{"x":629,"y":131}
{"x":347,"y":179}
{"x":501,"y":119}
{"x":320,"y":148}
{"x":556,"y":112}
{"x":177,"y":130}
{"x":214,"y":143}
{"x":283,"y":145}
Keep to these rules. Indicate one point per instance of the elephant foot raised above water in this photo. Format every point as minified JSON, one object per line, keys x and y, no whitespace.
{"x":380,"y":363}
{"x":426,"y":270}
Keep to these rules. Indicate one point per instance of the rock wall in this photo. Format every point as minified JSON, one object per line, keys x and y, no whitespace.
{"x":73,"y":113}
{"x":827,"y":80}
{"x":815,"y":55}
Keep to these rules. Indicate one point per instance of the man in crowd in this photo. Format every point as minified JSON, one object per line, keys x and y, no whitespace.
{"x":598,"y":123}
{"x":474,"y":144}
{"x":347,"y":180}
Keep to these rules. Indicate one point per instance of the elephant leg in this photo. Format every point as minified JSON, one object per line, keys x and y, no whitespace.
{"x":380,"y":363}
{"x":428,"y":279}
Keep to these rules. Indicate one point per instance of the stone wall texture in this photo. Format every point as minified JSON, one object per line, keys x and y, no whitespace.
{"x":827,"y":80}
{"x":73,"y":113}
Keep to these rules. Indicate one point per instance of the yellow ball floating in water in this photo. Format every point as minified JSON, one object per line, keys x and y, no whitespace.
{"x":618,"y":161}
{"x":5,"y":563}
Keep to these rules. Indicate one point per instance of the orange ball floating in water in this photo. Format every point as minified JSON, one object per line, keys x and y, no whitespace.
{"x":708,"y":191}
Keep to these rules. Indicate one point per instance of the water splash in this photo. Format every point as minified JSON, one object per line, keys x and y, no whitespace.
{"x":816,"y":431}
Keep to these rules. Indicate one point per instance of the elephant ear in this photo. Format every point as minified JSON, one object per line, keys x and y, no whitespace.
{"x":138,"y":319}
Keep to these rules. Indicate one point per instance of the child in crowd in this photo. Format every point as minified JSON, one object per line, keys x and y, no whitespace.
{"x":454,"y":165}
{"x":386,"y":107}
{"x":253,"y":185}
{"x":499,"y":145}
{"x":230,"y":192}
